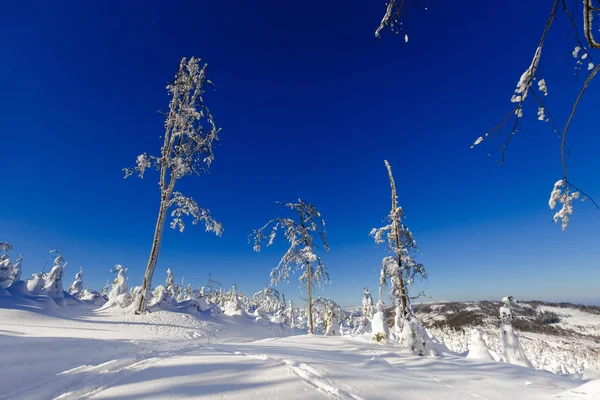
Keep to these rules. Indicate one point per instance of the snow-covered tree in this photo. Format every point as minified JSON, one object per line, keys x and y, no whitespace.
{"x":380,"y":328}
{"x":300,"y":256}
{"x":367,"y":303}
{"x":234,"y":306}
{"x":170,"y":284}
{"x":188,"y":292}
{"x":512,"y":352}
{"x":400,"y":269}
{"x":119,"y":293}
{"x":190,"y":133}
{"x":6,"y":266}
{"x":16,"y":269}
{"x":331,"y":313}
{"x":77,"y":285}
{"x":290,"y":315}
{"x":478,"y":350}
{"x":54,"y":279}
{"x":213,"y":286}
{"x":267,"y":300}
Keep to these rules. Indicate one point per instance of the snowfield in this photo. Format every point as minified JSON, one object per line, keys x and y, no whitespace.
{"x":78,"y":351}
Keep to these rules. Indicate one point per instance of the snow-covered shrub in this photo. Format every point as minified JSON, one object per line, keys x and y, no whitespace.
{"x":161,"y":299}
{"x":478,"y":350}
{"x":511,"y":350}
{"x":36,"y":285}
{"x":77,"y":285}
{"x":91,"y":296}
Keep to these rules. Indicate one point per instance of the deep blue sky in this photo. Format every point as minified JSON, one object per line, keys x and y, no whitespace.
{"x":310,"y":104}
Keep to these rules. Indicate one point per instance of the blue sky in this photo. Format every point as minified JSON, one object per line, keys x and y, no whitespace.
{"x":310,"y":104}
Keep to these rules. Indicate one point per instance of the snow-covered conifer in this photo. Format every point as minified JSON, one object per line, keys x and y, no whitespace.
{"x":77,"y":285}
{"x":170,"y":284}
{"x":290,"y":314}
{"x":401,"y":269}
{"x":330,"y":312}
{"x":6,"y":266}
{"x":54,"y":279}
{"x":511,"y":350}
{"x":367,"y":303}
{"x":300,"y":256}
{"x":267,"y":301}
{"x":188,"y":292}
{"x":190,"y":133}
{"x":233,"y":306}
{"x":380,"y":329}
{"x":119,"y":293}
{"x":16,"y":270}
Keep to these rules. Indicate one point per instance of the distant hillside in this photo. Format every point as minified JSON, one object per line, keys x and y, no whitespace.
{"x":558,"y":337}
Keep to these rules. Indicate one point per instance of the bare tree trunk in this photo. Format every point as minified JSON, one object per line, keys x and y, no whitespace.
{"x":147,"y":283}
{"x":309,"y":284}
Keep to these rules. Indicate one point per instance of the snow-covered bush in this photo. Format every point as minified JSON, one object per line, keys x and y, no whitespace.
{"x":77,"y":285}
{"x":91,"y":296}
{"x":161,"y":299}
{"x":511,"y":350}
{"x":478,"y":350}
{"x":36,"y":285}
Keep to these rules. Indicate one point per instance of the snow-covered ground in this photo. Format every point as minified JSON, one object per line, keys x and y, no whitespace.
{"x":79,"y":351}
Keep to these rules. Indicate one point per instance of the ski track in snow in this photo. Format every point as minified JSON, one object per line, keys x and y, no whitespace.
{"x":310,"y":375}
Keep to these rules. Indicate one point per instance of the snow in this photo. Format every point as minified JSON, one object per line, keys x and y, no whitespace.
{"x":79,"y":351}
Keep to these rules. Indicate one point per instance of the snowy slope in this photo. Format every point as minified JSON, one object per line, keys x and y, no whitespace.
{"x":569,"y":346}
{"x":78,"y":352}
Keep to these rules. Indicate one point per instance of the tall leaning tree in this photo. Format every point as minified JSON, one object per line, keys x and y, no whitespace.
{"x":400,"y":269}
{"x":190,"y":134}
{"x":302,"y":233}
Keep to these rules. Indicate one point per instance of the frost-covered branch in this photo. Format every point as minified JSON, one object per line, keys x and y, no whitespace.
{"x":582,"y":53}
{"x":188,"y":207}
{"x":394,"y":16}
